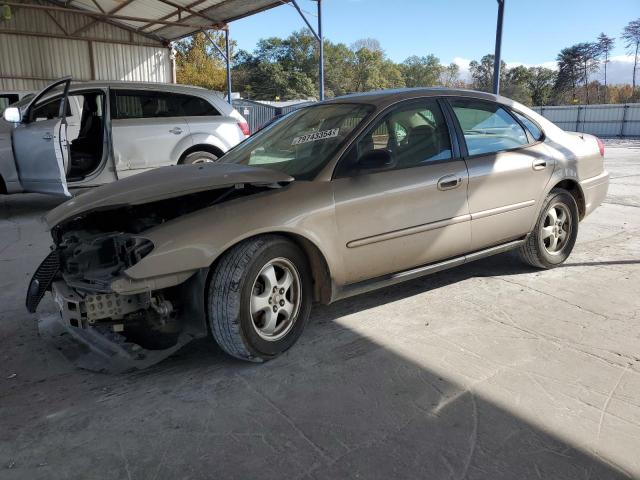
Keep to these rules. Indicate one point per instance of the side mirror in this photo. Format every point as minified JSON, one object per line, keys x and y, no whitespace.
{"x":12,"y":114}
{"x":375,"y":160}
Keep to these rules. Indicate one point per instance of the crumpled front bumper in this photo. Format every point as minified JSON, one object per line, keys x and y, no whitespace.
{"x":97,"y":347}
{"x":101,"y":350}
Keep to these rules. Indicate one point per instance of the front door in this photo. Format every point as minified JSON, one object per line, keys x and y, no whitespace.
{"x":508,"y":171}
{"x":413,"y":211}
{"x":40,"y":144}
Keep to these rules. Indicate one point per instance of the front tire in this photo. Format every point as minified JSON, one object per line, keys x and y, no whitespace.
{"x":555,"y":233}
{"x":259,"y":298}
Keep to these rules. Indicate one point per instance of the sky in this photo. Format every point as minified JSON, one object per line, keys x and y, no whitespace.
{"x":457,"y":30}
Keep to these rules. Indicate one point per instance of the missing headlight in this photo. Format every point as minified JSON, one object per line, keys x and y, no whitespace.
{"x":91,"y":261}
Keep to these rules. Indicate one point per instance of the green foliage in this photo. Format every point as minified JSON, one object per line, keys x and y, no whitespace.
{"x":422,"y":71}
{"x":196,"y":64}
{"x":287,"y":68}
{"x":482,"y":73}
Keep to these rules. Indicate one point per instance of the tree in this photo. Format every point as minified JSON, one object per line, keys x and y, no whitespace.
{"x":372,"y":71}
{"x":370,"y":44}
{"x":588,"y":58}
{"x":450,"y":75}
{"x":421,"y":71}
{"x":516,"y":84}
{"x":631,"y":37}
{"x":605,"y":45}
{"x":569,"y":73}
{"x":197,"y":64}
{"x":541,"y":81}
{"x":482,"y":73}
{"x":339,"y":74}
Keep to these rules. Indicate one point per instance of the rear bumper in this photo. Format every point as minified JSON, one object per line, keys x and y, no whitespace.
{"x":595,"y":190}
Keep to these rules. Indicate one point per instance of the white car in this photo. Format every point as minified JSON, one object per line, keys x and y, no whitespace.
{"x":106,"y":131}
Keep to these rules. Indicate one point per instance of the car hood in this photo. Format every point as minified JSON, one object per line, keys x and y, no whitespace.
{"x":164,"y":183}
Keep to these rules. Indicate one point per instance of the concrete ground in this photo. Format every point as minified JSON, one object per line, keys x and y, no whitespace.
{"x":489,"y":371}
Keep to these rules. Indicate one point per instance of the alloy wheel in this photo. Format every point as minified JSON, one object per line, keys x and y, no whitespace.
{"x":275,"y":299}
{"x":556,"y":229}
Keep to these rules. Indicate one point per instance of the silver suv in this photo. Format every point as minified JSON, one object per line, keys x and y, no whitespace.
{"x":106,"y":131}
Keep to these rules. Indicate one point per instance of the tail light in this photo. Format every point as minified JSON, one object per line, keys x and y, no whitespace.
{"x":600,"y":146}
{"x":244,"y":126}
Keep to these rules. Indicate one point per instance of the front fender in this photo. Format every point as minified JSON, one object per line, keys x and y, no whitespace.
{"x":193,"y":242}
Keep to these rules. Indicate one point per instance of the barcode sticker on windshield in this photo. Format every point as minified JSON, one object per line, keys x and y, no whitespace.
{"x":313,"y":137}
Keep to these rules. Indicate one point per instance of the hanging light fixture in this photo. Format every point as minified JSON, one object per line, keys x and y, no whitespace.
{"x":5,"y":13}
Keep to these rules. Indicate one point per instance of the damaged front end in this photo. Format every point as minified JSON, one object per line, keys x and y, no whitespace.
{"x":106,"y":319}
{"x":100,"y":325}
{"x":100,"y":329}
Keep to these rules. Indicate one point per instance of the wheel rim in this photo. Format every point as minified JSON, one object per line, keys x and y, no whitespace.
{"x":556,"y":228}
{"x":203,"y":160}
{"x":275,"y":299}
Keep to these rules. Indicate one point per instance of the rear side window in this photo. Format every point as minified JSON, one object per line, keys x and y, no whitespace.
{"x":487,"y":127}
{"x":142,"y":104}
{"x":534,"y":130}
{"x":196,"y":107}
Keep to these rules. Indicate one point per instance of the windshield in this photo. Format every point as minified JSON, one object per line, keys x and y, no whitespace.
{"x":301,"y":143}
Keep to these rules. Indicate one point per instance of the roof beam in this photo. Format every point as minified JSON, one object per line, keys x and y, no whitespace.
{"x":226,"y":21}
{"x":55,"y":20}
{"x":67,"y":37}
{"x":126,"y":18}
{"x":172,"y":14}
{"x":95,"y":20}
{"x":188,"y":9}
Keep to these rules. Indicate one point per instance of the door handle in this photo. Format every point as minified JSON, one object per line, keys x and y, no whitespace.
{"x":176,"y":130}
{"x":539,"y":164}
{"x":47,"y":136}
{"x":449,"y":181}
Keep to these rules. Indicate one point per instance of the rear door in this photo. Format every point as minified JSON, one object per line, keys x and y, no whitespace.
{"x":40,"y":142}
{"x":413,"y":213}
{"x":508,"y":171}
{"x":148,"y":129}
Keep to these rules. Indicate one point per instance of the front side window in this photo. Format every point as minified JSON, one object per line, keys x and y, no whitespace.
{"x":414,"y":135}
{"x":301,"y":143}
{"x":487,"y":127}
{"x":48,"y":110}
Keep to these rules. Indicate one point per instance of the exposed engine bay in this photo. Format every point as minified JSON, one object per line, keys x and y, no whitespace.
{"x":90,"y":252}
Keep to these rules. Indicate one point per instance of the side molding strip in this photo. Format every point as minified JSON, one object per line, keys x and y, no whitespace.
{"x":407,"y":231}
{"x":506,"y":208}
{"x":395,"y":278}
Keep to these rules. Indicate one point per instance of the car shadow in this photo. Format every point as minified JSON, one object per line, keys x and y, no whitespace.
{"x":345,"y":406}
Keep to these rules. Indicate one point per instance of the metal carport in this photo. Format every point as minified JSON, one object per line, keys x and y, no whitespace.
{"x":147,"y":22}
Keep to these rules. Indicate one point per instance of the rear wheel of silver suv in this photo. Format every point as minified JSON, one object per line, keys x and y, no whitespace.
{"x":555,"y":233}
{"x":200,"y":157}
{"x":259,"y":298}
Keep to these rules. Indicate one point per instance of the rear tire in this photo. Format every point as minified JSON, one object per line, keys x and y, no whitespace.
{"x":200,"y":157}
{"x":259,"y":298}
{"x":555,"y":233}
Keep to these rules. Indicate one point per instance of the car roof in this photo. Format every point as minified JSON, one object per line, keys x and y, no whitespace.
{"x":383,"y":98}
{"x":155,"y":86}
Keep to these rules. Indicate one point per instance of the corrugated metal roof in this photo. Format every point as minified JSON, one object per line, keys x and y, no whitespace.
{"x":164,"y":20}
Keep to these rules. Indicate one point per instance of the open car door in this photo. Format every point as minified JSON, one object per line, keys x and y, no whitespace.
{"x":40,"y":141}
